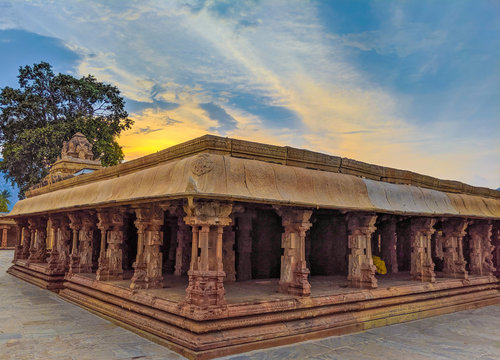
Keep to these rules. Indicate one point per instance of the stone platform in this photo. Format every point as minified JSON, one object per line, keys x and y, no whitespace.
{"x":256,"y":316}
{"x":38,"y":274}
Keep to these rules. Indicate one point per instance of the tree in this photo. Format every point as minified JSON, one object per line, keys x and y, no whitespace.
{"x":48,"y":109}
{"x":4,"y":201}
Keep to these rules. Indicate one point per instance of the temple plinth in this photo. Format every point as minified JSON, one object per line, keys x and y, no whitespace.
{"x":218,"y":245}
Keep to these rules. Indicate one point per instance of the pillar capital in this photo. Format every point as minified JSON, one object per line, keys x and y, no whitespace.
{"x":75,"y":222}
{"x":294,"y":219}
{"x":361,"y":223}
{"x":454,"y":227}
{"x":208,"y":213}
{"x":422,"y":225}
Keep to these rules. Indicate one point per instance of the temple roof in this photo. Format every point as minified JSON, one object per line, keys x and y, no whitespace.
{"x":203,"y":169}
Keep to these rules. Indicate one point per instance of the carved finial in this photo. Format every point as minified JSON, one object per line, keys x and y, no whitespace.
{"x":78,"y":148}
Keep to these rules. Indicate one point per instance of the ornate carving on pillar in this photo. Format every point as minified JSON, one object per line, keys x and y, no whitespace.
{"x":4,"y":235}
{"x":110,"y":262}
{"x":182,"y":254}
{"x":495,"y":241}
{"x":22,"y":245}
{"x":452,"y":243}
{"x":294,"y":271}
{"x":86,"y":237}
{"x":206,"y":275}
{"x":139,"y":279}
{"x":38,"y":248}
{"x":244,"y":236}
{"x":228,"y":255}
{"x":422,"y":266}
{"x":360,"y":227}
{"x":103,"y":224}
{"x":63,"y":234}
{"x":53,"y":259}
{"x":148,"y":265}
{"x":481,"y":257}
{"x":75,"y":226}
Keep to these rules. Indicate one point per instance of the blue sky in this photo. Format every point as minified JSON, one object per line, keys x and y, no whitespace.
{"x":407,"y":84}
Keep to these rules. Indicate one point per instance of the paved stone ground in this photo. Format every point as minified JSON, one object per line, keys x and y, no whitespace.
{"x":37,"y":324}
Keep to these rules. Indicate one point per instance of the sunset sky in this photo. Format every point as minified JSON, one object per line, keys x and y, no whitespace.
{"x":407,"y":84}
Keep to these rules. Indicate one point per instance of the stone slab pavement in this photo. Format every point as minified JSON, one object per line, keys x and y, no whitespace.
{"x":37,"y":324}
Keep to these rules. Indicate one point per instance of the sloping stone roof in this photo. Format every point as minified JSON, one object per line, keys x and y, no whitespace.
{"x":227,"y":177}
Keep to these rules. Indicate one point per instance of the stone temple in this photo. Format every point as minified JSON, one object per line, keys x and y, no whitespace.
{"x":218,"y":246}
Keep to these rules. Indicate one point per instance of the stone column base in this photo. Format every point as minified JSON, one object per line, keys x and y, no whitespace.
{"x":19,"y":253}
{"x":37,"y":257}
{"x":367,"y":280}
{"x":300,"y":286}
{"x":75,"y":267}
{"x":427,"y":274}
{"x":205,"y":289}
{"x":105,"y":274}
{"x":458,"y":271}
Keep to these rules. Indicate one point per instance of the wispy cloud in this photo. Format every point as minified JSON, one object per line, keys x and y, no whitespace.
{"x":280,"y":72}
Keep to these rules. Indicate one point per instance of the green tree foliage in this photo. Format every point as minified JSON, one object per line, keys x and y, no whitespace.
{"x":4,"y":200}
{"x":48,"y":109}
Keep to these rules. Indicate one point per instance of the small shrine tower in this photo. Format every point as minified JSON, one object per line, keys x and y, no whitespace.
{"x":76,"y":158}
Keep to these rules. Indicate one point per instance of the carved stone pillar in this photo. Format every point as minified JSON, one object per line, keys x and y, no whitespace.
{"x":103,"y":224}
{"x":86,"y":237}
{"x":453,"y":255}
{"x":361,"y":273}
{"x":38,"y":248}
{"x":63,"y":234}
{"x":182,"y":254}
{"x":294,"y":271}
{"x":422,"y":266}
{"x":4,"y":236}
{"x":244,"y":236}
{"x":148,"y":265}
{"x":228,"y":255}
{"x":53,"y":259}
{"x":75,"y":226}
{"x":206,"y":274}
{"x":110,"y":267}
{"x":495,"y":241}
{"x":22,"y":244}
{"x":138,"y":281}
{"x":481,"y":257}
{"x":387,"y":230}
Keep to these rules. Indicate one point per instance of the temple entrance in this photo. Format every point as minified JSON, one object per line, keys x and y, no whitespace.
{"x":266,"y":245}
{"x":327,"y":249}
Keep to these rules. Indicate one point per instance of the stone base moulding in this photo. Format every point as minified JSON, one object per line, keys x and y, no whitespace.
{"x":37,"y":274}
{"x":243,"y":327}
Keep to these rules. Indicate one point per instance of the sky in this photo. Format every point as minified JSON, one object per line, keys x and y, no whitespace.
{"x":407,"y":84}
